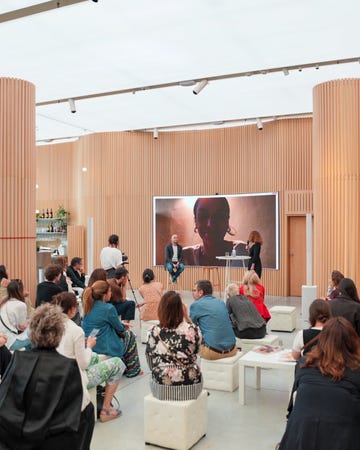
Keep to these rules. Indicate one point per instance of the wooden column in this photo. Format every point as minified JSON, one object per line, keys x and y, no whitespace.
{"x":17,"y":180}
{"x":336,"y":180}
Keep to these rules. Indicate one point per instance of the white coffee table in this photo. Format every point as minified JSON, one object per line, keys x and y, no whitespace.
{"x":264,"y":361}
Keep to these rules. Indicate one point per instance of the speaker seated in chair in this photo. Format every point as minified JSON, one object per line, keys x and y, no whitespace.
{"x":174,"y":259}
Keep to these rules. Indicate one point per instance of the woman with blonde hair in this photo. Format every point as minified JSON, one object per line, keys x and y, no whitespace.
{"x":255,"y":292}
{"x":113,"y":338}
{"x":254,"y":243}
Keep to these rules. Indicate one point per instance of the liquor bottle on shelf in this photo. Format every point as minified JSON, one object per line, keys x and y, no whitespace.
{"x":51,"y":213}
{"x":51,"y":227}
{"x":48,"y":229}
{"x":43,"y":214}
{"x":47,"y":213}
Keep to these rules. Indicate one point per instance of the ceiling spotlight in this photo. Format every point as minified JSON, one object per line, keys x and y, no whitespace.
{"x":72,"y":105}
{"x":286,"y":72}
{"x":300,"y":69}
{"x":84,"y":169}
{"x":200,"y":86}
{"x":259,"y":124}
{"x":317,"y":67}
{"x":187,"y":83}
{"x":155,"y":133}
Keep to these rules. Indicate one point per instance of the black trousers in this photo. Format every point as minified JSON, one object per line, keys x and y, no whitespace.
{"x":251,"y":333}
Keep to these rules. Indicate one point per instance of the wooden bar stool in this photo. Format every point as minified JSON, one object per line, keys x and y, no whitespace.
{"x":212,"y":274}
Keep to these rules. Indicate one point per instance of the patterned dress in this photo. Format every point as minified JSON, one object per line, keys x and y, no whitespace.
{"x":171,"y":355}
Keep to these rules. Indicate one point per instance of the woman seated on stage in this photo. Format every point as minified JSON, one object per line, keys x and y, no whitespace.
{"x":151,"y":291}
{"x":255,"y":292}
{"x":42,"y":405}
{"x":171,"y":352}
{"x":245,"y":318}
{"x":113,"y":339}
{"x":319,"y":314}
{"x":92,"y":371}
{"x":326,"y":413}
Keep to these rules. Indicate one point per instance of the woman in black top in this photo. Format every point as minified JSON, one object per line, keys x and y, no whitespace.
{"x":254,"y":244}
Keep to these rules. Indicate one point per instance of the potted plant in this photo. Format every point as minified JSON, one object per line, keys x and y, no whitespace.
{"x":62,"y":216}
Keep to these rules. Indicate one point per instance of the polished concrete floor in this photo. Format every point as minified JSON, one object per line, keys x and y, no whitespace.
{"x":258,"y":425}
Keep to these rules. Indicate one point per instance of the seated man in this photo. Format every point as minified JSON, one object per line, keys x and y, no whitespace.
{"x":76,"y":274}
{"x":174,"y":259}
{"x":211,"y":315}
{"x":125,"y":308}
{"x":50,"y":287}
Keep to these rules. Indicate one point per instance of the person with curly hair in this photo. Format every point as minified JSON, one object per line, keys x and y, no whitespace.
{"x":47,"y":410}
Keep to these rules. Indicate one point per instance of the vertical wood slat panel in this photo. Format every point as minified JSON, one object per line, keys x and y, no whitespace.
{"x":125,"y":171}
{"x":336,"y":165}
{"x":76,"y":235}
{"x":17,"y":174}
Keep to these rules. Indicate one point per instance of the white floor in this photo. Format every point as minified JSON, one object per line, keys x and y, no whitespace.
{"x":258,"y":425}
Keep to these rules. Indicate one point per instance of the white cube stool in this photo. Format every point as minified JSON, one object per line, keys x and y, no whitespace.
{"x":175,"y":425}
{"x":221,"y":374}
{"x":145,"y":326}
{"x":248,"y":344}
{"x":283,"y":318}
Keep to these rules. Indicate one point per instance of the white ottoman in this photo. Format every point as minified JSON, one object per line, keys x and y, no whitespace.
{"x":283,"y":318}
{"x":221,"y":374}
{"x":145,"y":326}
{"x":248,"y":344}
{"x":175,"y":425}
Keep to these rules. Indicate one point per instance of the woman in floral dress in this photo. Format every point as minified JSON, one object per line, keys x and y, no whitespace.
{"x":171,"y":352}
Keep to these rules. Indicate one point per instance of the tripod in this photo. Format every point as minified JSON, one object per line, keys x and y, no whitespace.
{"x":132,"y":289}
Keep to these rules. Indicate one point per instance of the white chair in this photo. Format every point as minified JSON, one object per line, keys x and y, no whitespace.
{"x":248,"y":344}
{"x":283,"y":318}
{"x":174,"y":424}
{"x":221,"y":374}
{"x":145,"y":326}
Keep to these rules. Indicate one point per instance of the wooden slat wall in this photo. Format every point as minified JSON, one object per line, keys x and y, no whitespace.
{"x":125,"y":171}
{"x":336,"y":160}
{"x":17,"y":180}
{"x":76,"y":235}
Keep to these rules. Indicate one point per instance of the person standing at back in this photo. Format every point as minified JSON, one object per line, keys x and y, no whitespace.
{"x":211,"y":315}
{"x":174,"y":258}
{"x":254,"y":243}
{"x":111,"y":257}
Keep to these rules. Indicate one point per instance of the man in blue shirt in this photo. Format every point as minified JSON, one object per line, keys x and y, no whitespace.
{"x":211,"y":315}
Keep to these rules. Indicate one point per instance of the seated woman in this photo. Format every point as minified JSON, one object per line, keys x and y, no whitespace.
{"x":333,"y":289}
{"x":4,"y":281}
{"x":113,"y":338}
{"x":13,"y":316}
{"x":255,"y":292}
{"x":245,"y":318}
{"x":171,"y":352}
{"x":47,"y":410}
{"x":92,"y":371}
{"x":319,"y":314}
{"x":347,"y":303}
{"x":151,"y":291}
{"x":326,"y":413}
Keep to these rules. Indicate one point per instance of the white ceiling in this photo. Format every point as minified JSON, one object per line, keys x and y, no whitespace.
{"x":116,"y":44}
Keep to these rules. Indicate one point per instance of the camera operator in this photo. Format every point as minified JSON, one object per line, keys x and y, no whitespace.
{"x":111,"y":257}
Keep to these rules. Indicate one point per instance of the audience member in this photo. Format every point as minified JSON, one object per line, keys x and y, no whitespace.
{"x":211,"y":315}
{"x":92,"y":371}
{"x":333,"y":289}
{"x":347,"y":303}
{"x":245,"y":318}
{"x":113,"y":338}
{"x":151,"y":291}
{"x":171,"y":353}
{"x":13,"y":316}
{"x":174,"y":259}
{"x":326,"y":412}
{"x":5,"y":355}
{"x":111,"y":257}
{"x":4,"y":281}
{"x":255,"y":292}
{"x":45,"y":411}
{"x":124,"y":307}
{"x":319,"y":314}
{"x":76,"y":274}
{"x":254,"y":243}
{"x":50,"y":287}
{"x":65,"y":281}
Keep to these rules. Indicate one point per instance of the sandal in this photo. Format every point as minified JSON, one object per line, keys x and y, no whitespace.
{"x":109,"y":414}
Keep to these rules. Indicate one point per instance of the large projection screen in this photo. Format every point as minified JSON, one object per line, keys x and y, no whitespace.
{"x":223,"y":222}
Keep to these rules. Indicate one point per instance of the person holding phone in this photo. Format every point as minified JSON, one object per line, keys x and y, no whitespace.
{"x":93,"y":372}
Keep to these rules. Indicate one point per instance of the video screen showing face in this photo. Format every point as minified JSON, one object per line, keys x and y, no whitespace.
{"x":215,"y":226}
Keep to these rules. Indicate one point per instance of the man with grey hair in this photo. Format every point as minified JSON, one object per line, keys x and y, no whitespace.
{"x":245,"y":318}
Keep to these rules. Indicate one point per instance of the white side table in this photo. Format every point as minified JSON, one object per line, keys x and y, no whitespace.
{"x":228,"y":260}
{"x":260,"y":361}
